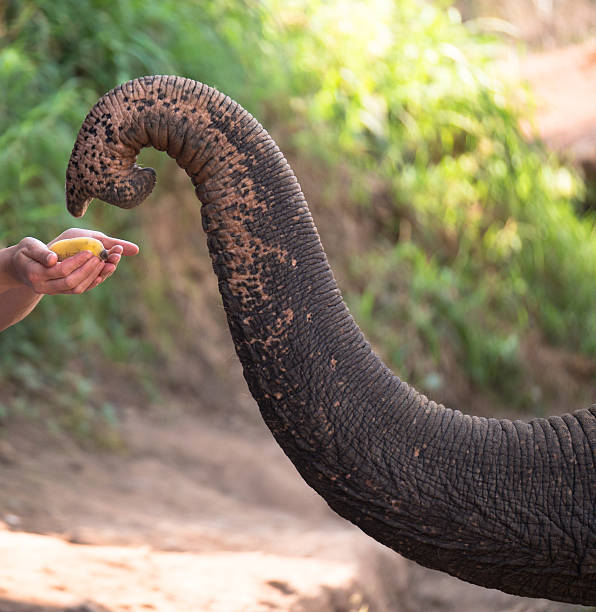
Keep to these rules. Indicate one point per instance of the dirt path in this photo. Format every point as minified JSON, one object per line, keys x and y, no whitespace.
{"x":564,"y":82}
{"x":193,"y":516}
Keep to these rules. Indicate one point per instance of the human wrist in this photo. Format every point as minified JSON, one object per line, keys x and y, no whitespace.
{"x":9,"y":278}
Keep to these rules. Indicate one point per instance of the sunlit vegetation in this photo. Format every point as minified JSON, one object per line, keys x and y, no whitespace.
{"x":481,"y":240}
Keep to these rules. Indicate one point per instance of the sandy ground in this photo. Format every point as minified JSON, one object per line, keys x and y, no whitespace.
{"x":193,"y":516}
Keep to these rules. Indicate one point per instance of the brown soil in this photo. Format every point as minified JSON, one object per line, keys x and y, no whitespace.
{"x":541,"y":24}
{"x":194,"y":515}
{"x":564,"y":83}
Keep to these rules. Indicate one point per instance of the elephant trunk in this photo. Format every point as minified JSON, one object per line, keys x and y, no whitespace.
{"x":503,"y":504}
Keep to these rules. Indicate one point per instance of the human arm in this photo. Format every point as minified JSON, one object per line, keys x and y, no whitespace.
{"x":29,"y":270}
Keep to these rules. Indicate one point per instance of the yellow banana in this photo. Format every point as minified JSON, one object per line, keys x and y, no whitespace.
{"x":71,"y":246}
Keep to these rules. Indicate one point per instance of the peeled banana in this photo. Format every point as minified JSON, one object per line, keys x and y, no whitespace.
{"x":71,"y":246}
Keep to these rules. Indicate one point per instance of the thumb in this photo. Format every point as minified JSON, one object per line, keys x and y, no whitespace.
{"x":38,"y":251}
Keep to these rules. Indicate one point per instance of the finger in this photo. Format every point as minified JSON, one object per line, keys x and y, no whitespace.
{"x":114,"y":258}
{"x":116,"y":250}
{"x":77,"y":232}
{"x":128,"y":248}
{"x":38,"y":251}
{"x":37,"y":276}
{"x":104,"y":275}
{"x":64,"y":268}
{"x":51,"y":259}
{"x":96,"y":282}
{"x":78,"y":279}
{"x":108,"y":270}
{"x":87,"y":282}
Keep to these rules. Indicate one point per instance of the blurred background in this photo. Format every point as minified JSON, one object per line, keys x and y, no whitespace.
{"x":448,"y":154}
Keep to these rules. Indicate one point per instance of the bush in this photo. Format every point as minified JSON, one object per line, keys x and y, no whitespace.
{"x":479,"y":226}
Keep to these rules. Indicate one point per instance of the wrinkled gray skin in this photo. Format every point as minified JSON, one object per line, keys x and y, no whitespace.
{"x":503,"y":504}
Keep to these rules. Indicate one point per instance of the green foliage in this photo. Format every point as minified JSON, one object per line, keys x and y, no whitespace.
{"x":479,"y":238}
{"x":412,"y":103}
{"x":421,"y":313}
{"x":56,"y":58}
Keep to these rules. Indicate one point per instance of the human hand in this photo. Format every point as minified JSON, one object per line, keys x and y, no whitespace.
{"x":35,"y":266}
